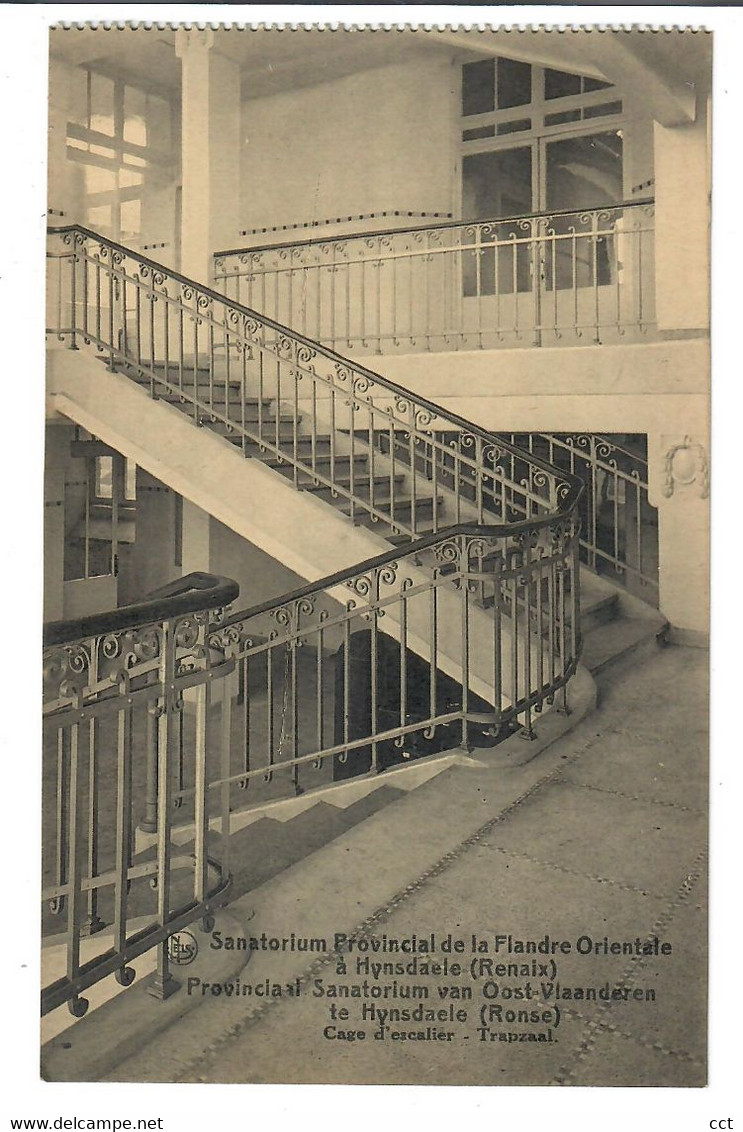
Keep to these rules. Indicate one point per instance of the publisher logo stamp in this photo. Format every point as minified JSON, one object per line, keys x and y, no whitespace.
{"x":182,"y":948}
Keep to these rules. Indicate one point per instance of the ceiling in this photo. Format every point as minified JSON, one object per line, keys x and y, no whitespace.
{"x":273,"y":60}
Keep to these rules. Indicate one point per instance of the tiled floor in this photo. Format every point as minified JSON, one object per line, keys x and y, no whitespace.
{"x":612,"y":844}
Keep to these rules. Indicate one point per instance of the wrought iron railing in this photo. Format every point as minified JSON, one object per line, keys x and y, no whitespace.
{"x":291,"y":401}
{"x":544,"y":279}
{"x":458,"y":637}
{"x":619,"y":525}
{"x":116,"y":686}
{"x":452,"y":642}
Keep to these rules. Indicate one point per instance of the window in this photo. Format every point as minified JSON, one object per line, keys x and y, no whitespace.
{"x":122,"y":137}
{"x":495,"y":84}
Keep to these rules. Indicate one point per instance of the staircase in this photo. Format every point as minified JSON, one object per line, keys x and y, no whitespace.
{"x":461,"y":552}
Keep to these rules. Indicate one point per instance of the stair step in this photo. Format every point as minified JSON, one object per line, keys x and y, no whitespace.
{"x":403,"y":507}
{"x":361,"y":483}
{"x":342,"y":464}
{"x":627,"y":637}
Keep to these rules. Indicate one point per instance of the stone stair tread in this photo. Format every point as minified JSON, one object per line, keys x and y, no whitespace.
{"x":605,"y":644}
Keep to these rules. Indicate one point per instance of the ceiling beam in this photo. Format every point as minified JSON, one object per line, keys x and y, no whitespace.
{"x":670,"y":100}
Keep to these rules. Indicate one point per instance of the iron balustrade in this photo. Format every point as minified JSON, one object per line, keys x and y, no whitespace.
{"x":619,"y":525}
{"x":316,"y":416}
{"x":115,"y":691}
{"x":461,"y":633}
{"x":453,"y":641}
{"x":545,"y":279}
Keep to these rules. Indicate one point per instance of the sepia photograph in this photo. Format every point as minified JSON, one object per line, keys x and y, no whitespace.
{"x":376,"y":556}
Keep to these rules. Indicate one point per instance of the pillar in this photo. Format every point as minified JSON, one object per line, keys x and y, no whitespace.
{"x":152,"y":561}
{"x":682,"y":225}
{"x":210,"y":151}
{"x":679,"y":488}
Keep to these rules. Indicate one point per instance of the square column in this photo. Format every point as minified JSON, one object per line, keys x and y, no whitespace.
{"x":210,"y":151}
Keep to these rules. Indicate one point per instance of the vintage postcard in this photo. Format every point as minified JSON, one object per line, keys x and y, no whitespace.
{"x":376,"y":555}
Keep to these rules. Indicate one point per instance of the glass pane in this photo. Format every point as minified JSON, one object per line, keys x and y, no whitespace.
{"x":497,"y":184}
{"x":602,"y":110}
{"x":99,"y":219}
{"x":98,"y":180}
{"x":514,"y":83}
{"x":104,"y":477}
{"x":562,"y":116}
{"x":102,"y":104}
{"x":478,"y":87}
{"x":559,"y":84}
{"x":594,"y":84}
{"x":478,"y":132}
{"x":130,"y":479}
{"x":135,"y":110}
{"x":131,"y":219}
{"x":514,"y":127}
{"x":584,"y":172}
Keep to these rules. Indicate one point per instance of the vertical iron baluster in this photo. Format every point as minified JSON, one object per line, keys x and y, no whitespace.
{"x":62,"y":800}
{"x":245,"y":720}
{"x":124,"y":975}
{"x":392,"y":455}
{"x":75,"y":859}
{"x":616,"y":267}
{"x":73,"y":299}
{"x":320,"y":719}
{"x":539,"y":576}
{"x":260,"y":395}
{"x":346,"y":685}
{"x":479,"y":470}
{"x":269,"y":717}
{"x":86,"y":299}
{"x":332,"y":437}
{"x":464,"y":592}
{"x":352,"y":447}
{"x":513,"y":594}
{"x":148,"y":822}
{"x":393,"y":328}
{"x":195,"y":366}
{"x":595,"y":269}
{"x":162,"y":983}
{"x":373,"y":670}
{"x":574,"y":280}
{"x":411,"y":457}
{"x":362,"y":299}
{"x":93,"y":922}
{"x":433,"y":616}
{"x":403,"y":653}
{"x":528,"y":731}
{"x":294,"y":645}
{"x":436,"y":454}
{"x":201,"y":809}
{"x":372,"y":455}
{"x":497,"y":637}
{"x":229,"y":693}
{"x":295,"y":417}
{"x":277,"y":409}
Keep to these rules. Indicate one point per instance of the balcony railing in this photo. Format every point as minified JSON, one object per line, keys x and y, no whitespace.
{"x":544,"y":279}
{"x":115,"y":686}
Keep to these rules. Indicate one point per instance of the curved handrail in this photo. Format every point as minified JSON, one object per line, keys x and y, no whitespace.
{"x":417,"y":546}
{"x":190,"y":594}
{"x":333,"y":356}
{"x":444,"y":225}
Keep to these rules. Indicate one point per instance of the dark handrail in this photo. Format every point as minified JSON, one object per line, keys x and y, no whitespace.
{"x":189,"y":594}
{"x":490,"y":531}
{"x":444,"y":225}
{"x":318,"y":348}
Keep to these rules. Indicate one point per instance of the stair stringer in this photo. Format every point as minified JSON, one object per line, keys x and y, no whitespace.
{"x":261,"y":505}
